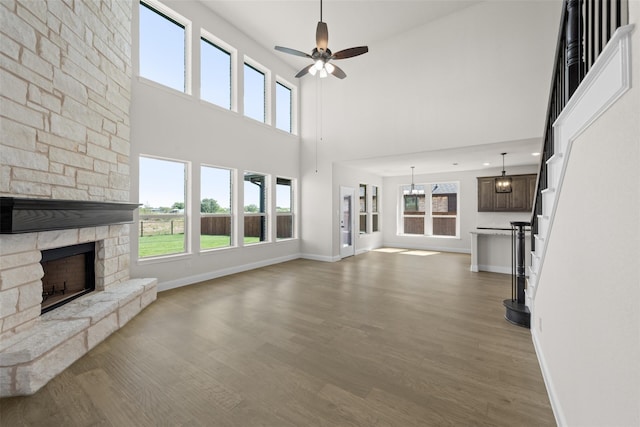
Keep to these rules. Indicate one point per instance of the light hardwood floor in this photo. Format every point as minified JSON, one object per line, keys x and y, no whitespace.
{"x":379,"y":339}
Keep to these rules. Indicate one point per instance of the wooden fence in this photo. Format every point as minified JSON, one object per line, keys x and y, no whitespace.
{"x":441,"y":226}
{"x":152,"y":225}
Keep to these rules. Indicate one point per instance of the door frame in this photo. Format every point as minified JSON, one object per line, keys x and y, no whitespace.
{"x":347,"y":250}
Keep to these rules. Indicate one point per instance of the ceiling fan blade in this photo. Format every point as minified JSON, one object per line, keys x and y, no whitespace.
{"x":292,"y":51}
{"x":305,"y":70}
{"x":322,"y":36}
{"x":337,"y":71}
{"x":350,"y":53}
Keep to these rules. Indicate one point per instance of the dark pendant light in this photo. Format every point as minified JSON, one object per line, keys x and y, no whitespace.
{"x":503,"y":184}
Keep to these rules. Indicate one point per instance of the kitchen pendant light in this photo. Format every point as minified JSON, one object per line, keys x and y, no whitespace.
{"x":503,"y":183}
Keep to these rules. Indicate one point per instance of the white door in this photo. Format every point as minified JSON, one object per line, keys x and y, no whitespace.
{"x":347,"y":197}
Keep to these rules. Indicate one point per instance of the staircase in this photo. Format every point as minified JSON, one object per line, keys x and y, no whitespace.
{"x":591,"y":72}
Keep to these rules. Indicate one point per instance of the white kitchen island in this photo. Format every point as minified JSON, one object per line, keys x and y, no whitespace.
{"x":491,"y":250}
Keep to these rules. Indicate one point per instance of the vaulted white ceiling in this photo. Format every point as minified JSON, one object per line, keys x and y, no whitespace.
{"x":292,"y":23}
{"x":445,"y":81}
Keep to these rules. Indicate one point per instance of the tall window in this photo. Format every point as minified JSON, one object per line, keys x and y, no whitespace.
{"x":215,"y":74}
{"x":374,"y":209}
{"x":431,"y":210}
{"x":255,"y":208}
{"x":162,"y":47}
{"x":363,"y":208}
{"x":444,"y":209}
{"x":284,"y":209}
{"x":254,"y":93}
{"x":162,"y":217}
{"x":413,"y":209}
{"x":215,"y":208}
{"x":283,"y":107}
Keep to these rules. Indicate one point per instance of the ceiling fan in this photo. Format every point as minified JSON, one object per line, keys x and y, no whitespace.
{"x":321,"y":55}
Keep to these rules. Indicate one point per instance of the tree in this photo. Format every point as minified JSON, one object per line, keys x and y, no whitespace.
{"x":178,"y":205}
{"x":251,"y":208}
{"x":209,"y":206}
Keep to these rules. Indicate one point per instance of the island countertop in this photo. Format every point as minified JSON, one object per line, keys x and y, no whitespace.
{"x":491,"y":249}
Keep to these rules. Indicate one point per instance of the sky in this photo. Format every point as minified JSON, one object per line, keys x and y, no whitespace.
{"x":162,"y":183}
{"x":162,"y":59}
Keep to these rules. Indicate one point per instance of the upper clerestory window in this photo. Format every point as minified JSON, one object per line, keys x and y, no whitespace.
{"x":215,"y":73}
{"x":163,"y":46}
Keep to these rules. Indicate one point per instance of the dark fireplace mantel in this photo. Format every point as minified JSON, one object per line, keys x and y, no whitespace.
{"x":22,"y":215}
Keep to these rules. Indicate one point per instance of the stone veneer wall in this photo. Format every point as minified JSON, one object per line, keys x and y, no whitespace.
{"x":64,"y":133}
{"x":66,"y":88}
{"x":65,"y":77}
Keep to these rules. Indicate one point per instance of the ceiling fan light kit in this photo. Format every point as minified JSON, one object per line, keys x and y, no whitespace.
{"x":321,"y":54}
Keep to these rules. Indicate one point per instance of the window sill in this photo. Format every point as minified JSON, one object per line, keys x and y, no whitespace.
{"x":429,"y":237}
{"x":163,"y":258}
{"x":212,"y":250}
{"x":249,"y":245}
{"x":164,"y":88}
{"x":286,"y":239}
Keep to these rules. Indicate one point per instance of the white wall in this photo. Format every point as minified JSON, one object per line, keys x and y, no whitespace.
{"x":586,"y":321}
{"x":171,"y":124}
{"x":478,"y":76}
{"x":474,"y":77}
{"x":344,"y":176}
{"x":470,"y":218}
{"x":316,"y":172}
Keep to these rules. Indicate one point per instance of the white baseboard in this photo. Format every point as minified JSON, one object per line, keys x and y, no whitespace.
{"x":190,"y":280}
{"x":548,"y":382}
{"x":494,"y":268}
{"x":404,"y":245}
{"x":323,"y":258}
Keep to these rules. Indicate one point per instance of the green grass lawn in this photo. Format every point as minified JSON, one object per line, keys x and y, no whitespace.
{"x":167,"y":244}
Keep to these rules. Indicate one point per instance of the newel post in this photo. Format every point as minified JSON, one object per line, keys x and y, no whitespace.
{"x":573,"y":38}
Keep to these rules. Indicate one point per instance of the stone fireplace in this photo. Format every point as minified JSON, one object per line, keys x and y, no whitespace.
{"x":35,"y":347}
{"x":65,"y":170}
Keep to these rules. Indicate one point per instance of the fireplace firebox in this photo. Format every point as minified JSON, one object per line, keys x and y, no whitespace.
{"x":69,"y":273}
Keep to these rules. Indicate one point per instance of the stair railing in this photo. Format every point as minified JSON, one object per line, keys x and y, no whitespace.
{"x":585,"y":28}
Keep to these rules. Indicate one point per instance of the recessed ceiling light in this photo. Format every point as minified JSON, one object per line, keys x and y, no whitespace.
{"x":455,"y":164}
{"x":486,"y":164}
{"x":535,"y":154}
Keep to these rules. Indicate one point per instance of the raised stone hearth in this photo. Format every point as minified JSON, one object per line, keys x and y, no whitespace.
{"x":35,"y":348}
{"x":29,"y":359}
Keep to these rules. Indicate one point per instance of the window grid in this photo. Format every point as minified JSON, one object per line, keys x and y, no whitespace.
{"x":256,"y":217}
{"x":216,"y":208}
{"x":255,"y":93}
{"x":284,"y":116}
{"x":435,"y":216}
{"x":216,"y":73}
{"x":162,"y":228}
{"x":375,"y":224}
{"x":285,"y":97}
{"x":284,"y":209}
{"x":363,"y":208}
{"x":155,"y":61}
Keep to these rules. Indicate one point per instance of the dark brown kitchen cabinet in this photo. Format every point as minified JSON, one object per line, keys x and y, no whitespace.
{"x":519,"y":200}
{"x":486,"y":188}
